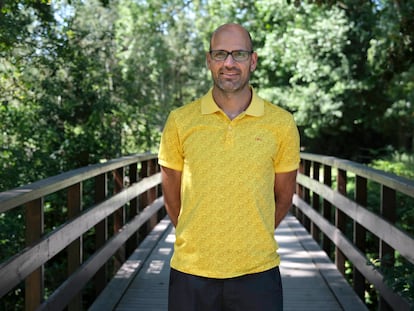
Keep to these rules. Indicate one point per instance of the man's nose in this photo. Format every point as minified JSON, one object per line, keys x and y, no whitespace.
{"x":229,"y":60}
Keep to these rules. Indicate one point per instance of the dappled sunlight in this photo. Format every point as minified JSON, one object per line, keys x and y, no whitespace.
{"x":170,"y":238}
{"x":165,"y":251}
{"x":128,"y":269}
{"x":296,"y":270}
{"x":155,"y":266}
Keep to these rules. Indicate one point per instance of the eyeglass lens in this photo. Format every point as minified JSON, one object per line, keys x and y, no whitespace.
{"x":238,"y":55}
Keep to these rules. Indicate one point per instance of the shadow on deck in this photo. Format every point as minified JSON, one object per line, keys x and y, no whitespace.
{"x":310,"y":280}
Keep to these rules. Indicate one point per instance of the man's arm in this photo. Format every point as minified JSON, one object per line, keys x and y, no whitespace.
{"x":285,"y":184}
{"x":171,"y":188}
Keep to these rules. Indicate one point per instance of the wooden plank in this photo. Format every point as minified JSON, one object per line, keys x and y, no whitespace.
{"x":310,"y":281}
{"x":149,"y":289}
{"x":114,"y":291}
{"x":321,"y":283}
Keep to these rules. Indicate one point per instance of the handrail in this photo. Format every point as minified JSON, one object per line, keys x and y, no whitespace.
{"x":330,"y":213}
{"x":22,"y":195}
{"x":114,"y":218}
{"x":403,"y":185}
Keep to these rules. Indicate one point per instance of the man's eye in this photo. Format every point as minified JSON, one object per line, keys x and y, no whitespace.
{"x":221,"y":54}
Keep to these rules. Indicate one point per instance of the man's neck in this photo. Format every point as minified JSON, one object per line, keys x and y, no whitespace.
{"x":233,"y":103}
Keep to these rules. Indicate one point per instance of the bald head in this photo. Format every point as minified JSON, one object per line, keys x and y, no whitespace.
{"x":234,"y":30}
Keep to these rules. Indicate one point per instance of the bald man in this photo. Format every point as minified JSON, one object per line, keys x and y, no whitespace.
{"x":228,"y":162}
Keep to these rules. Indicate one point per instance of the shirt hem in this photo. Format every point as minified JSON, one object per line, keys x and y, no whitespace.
{"x":213,"y":275}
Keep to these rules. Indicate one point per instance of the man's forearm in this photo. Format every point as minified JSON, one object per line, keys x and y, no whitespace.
{"x":281,"y":211}
{"x":173,"y":211}
{"x":285,"y":184}
{"x":171,"y":187}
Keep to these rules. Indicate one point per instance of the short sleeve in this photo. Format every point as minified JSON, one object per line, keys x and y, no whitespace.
{"x":288,"y":156}
{"x":170,"y":153}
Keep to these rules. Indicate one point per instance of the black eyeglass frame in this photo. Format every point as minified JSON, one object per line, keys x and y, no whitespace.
{"x":230,"y":53}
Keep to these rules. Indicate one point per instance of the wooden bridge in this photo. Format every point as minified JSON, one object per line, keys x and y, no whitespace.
{"x":107,"y":225}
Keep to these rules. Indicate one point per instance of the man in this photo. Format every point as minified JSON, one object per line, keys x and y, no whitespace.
{"x":227,"y":159}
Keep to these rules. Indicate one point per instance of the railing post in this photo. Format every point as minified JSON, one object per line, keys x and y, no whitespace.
{"x":327,"y":207}
{"x":119,"y":216}
{"x":75,"y":256}
{"x":340,"y":220}
{"x":143,"y":198}
{"x":101,"y":230}
{"x":299,"y":191}
{"x":152,"y":193}
{"x":361,"y":196}
{"x":315,"y":203}
{"x":133,"y":210}
{"x":306,"y":220}
{"x":387,"y":253}
{"x":34,"y":284}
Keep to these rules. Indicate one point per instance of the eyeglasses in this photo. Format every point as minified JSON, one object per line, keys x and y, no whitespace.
{"x":238,"y":55}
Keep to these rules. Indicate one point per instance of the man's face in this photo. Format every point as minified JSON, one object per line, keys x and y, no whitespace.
{"x":229,"y":75}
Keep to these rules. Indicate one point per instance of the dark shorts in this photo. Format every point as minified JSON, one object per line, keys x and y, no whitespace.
{"x":253,"y":292}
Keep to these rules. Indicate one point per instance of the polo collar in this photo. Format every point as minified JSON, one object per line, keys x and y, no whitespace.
{"x":209,"y":106}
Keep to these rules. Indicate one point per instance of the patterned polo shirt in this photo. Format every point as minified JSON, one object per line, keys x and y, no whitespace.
{"x":226,"y":222}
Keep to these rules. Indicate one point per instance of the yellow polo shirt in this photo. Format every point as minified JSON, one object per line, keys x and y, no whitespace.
{"x":226,"y":222}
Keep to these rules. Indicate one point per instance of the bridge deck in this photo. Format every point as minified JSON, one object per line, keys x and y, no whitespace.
{"x":310,"y":280}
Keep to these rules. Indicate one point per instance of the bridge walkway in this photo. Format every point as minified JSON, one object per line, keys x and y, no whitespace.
{"x":310,"y":280}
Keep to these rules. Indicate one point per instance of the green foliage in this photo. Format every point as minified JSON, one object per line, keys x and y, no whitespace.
{"x":84,"y":81}
{"x":89,"y":80}
{"x":401,"y":164}
{"x":315,"y":64}
{"x":399,"y":277}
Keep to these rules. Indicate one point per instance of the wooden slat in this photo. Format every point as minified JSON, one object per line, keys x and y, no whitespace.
{"x":114,"y":291}
{"x":310,"y":281}
{"x":314,"y":282}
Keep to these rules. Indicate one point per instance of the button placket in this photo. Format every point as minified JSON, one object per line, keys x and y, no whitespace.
{"x":230,"y":134}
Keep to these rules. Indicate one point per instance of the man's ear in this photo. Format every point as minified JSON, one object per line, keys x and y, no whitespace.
{"x":253,"y":63}
{"x":208,"y":60}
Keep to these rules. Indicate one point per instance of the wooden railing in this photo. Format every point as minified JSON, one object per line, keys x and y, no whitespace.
{"x":349,"y":228}
{"x":108,"y":208}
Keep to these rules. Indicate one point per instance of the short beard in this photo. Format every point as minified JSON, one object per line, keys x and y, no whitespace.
{"x":221,"y":85}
